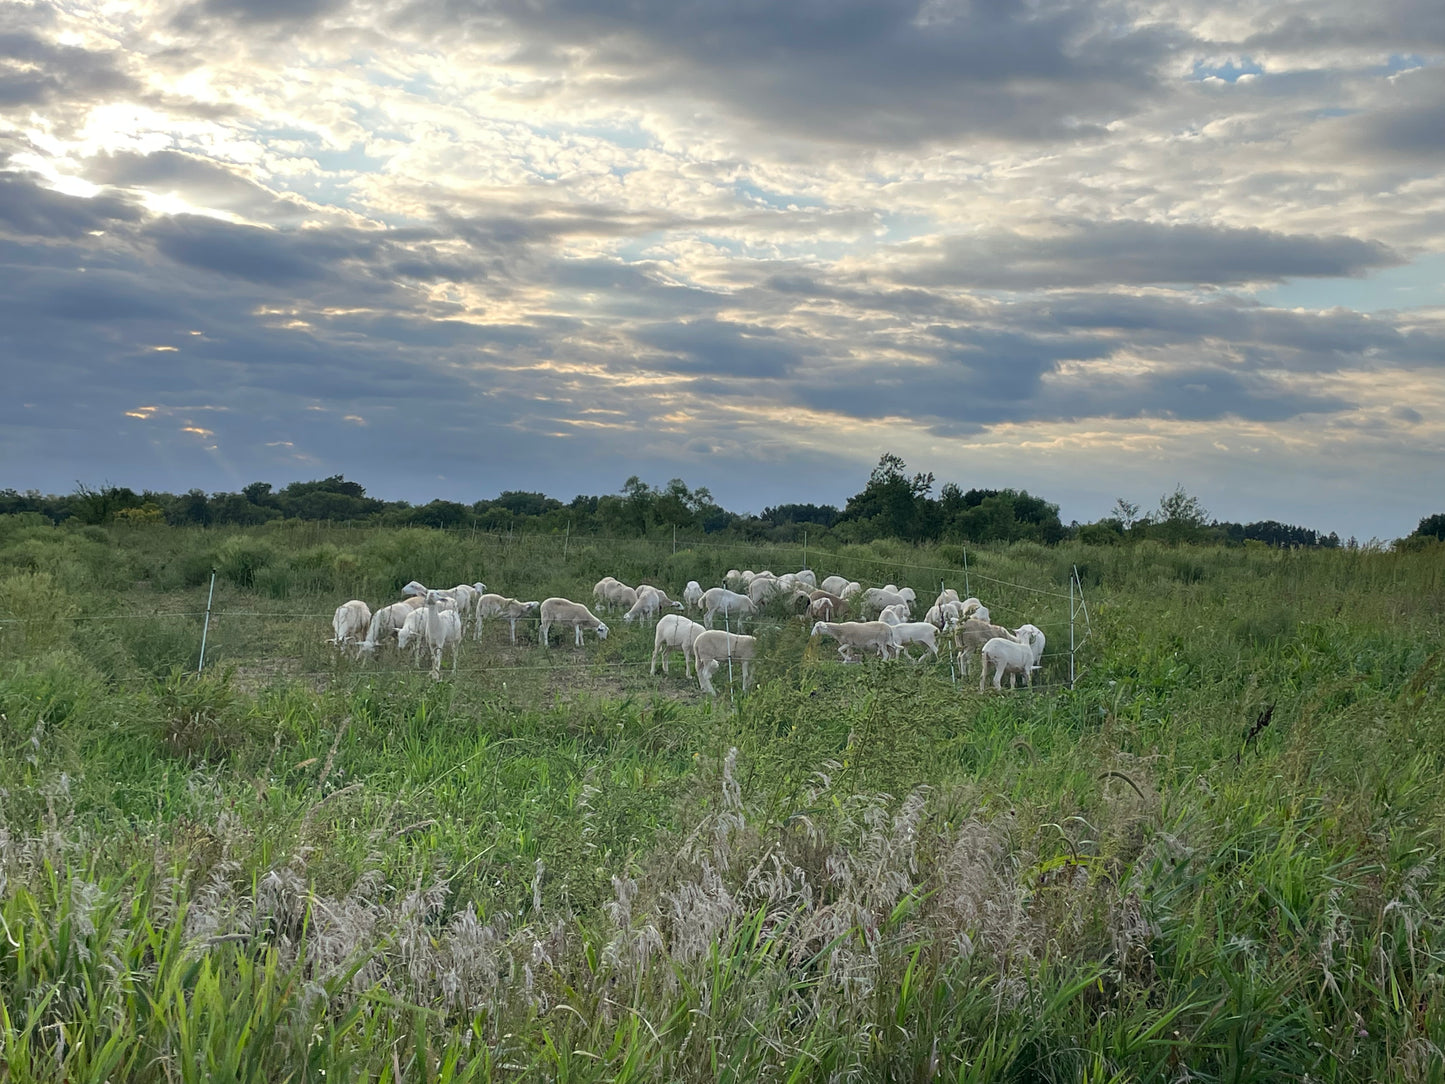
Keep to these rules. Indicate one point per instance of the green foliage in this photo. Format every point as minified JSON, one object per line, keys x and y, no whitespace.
{"x":309,"y":867}
{"x":240,"y":559}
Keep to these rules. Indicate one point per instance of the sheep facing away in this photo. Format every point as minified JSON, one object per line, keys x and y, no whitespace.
{"x":388,"y":620}
{"x":713,"y":647}
{"x":717,"y":600}
{"x":350,"y":624}
{"x":675,"y":632}
{"x":573,"y":615}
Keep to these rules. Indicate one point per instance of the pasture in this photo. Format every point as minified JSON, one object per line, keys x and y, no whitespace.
{"x":1214,"y":857}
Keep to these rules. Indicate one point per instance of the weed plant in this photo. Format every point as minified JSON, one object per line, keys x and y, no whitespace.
{"x":1215,"y":857}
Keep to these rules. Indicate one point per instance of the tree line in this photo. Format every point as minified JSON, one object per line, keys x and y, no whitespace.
{"x":893,"y":503}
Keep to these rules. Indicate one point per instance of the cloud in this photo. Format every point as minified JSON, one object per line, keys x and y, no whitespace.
{"x":1134,"y":253}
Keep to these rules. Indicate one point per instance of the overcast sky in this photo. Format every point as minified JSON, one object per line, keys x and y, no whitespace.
{"x":449,"y":247}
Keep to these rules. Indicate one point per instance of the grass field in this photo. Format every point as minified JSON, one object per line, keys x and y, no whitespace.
{"x":1216,"y":857}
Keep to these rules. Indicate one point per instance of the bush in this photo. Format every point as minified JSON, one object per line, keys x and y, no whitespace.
{"x":200,"y":716}
{"x":241,"y":557}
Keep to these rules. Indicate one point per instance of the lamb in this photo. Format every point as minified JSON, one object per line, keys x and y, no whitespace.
{"x":945,"y":615}
{"x":560,"y":611}
{"x":412,"y":632}
{"x":350,"y":623}
{"x":674,"y":631}
{"x":896,"y":614}
{"x":1037,"y":635}
{"x":971,"y":635}
{"x":915,"y":632}
{"x":498,"y":606}
{"x":860,"y":637}
{"x":650,"y":601}
{"x":1011,"y":657}
{"x":720,"y":599}
{"x":388,"y":620}
{"x":692,"y":594}
{"x":713,"y":646}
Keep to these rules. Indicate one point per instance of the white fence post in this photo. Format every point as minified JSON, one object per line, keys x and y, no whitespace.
{"x":206,"y":628}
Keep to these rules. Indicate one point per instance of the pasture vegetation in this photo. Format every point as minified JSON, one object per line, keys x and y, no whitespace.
{"x":1214,"y":858}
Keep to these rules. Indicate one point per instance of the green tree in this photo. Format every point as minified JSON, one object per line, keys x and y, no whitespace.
{"x":893,"y":504}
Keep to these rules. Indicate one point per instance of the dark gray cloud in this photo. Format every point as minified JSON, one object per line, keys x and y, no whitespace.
{"x":35,"y":71}
{"x":28,"y":209}
{"x":1135,"y":253}
{"x":887,"y":72}
{"x":203,"y":182}
{"x":720,"y":348}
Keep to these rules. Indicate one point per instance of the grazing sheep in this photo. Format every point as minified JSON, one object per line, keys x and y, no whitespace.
{"x":876,"y":599}
{"x":713,"y":647}
{"x":1007,"y":656}
{"x":412,"y":633}
{"x":350,"y":624}
{"x":762,"y":588}
{"x":560,"y":611}
{"x":834,"y":584}
{"x":389,"y":620}
{"x":650,"y":602}
{"x":948,"y":594}
{"x":944,"y":615}
{"x":721,"y":600}
{"x":498,"y":606}
{"x":807,"y":578}
{"x":415,"y":589}
{"x":969,"y":638}
{"x":674,"y":631}
{"x":856,"y":638}
{"x":609,"y":593}
{"x":692,"y":594}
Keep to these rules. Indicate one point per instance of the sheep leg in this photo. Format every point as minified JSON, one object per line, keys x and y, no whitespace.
{"x":544,"y":634}
{"x":579,"y":635}
{"x":513,"y":622}
{"x":745,"y":675}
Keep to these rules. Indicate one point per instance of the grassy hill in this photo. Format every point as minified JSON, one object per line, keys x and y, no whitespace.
{"x":1214,"y":857}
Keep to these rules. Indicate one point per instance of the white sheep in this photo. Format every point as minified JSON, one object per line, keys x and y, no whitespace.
{"x":945,"y":615}
{"x":721,"y":600}
{"x":388,"y":620}
{"x":948,"y":594}
{"x":1011,"y":657}
{"x":713,"y":647}
{"x":415,"y":589}
{"x":834,"y":584}
{"x":1033,"y":633}
{"x":915,"y":632}
{"x":859,"y":637}
{"x":441,"y":628}
{"x":650,"y":602}
{"x":896,"y":614}
{"x":762,"y":588}
{"x":350,"y":624}
{"x":875,"y":599}
{"x":692,"y":594}
{"x":970,"y":635}
{"x":412,"y":633}
{"x":610,"y":592}
{"x":674,"y":632}
{"x":560,"y":611}
{"x":807,"y":578}
{"x":491,"y":605}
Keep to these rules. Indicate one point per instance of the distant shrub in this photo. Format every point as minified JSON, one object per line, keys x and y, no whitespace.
{"x":1265,"y":627}
{"x":241,"y":557}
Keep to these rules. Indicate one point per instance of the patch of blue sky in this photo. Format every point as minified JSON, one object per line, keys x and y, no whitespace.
{"x":1399,"y":62}
{"x":905,"y":227}
{"x":352,"y":160}
{"x":1417,"y":284}
{"x":629,"y":138}
{"x":1229,"y":71}
{"x":780,"y":200}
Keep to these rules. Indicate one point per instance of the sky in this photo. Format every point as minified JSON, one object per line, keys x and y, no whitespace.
{"x":1088,"y":248}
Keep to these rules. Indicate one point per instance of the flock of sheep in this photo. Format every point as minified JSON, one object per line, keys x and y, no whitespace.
{"x":435,"y":620}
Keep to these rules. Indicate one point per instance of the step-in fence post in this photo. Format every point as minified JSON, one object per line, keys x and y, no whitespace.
{"x":206,"y":628}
